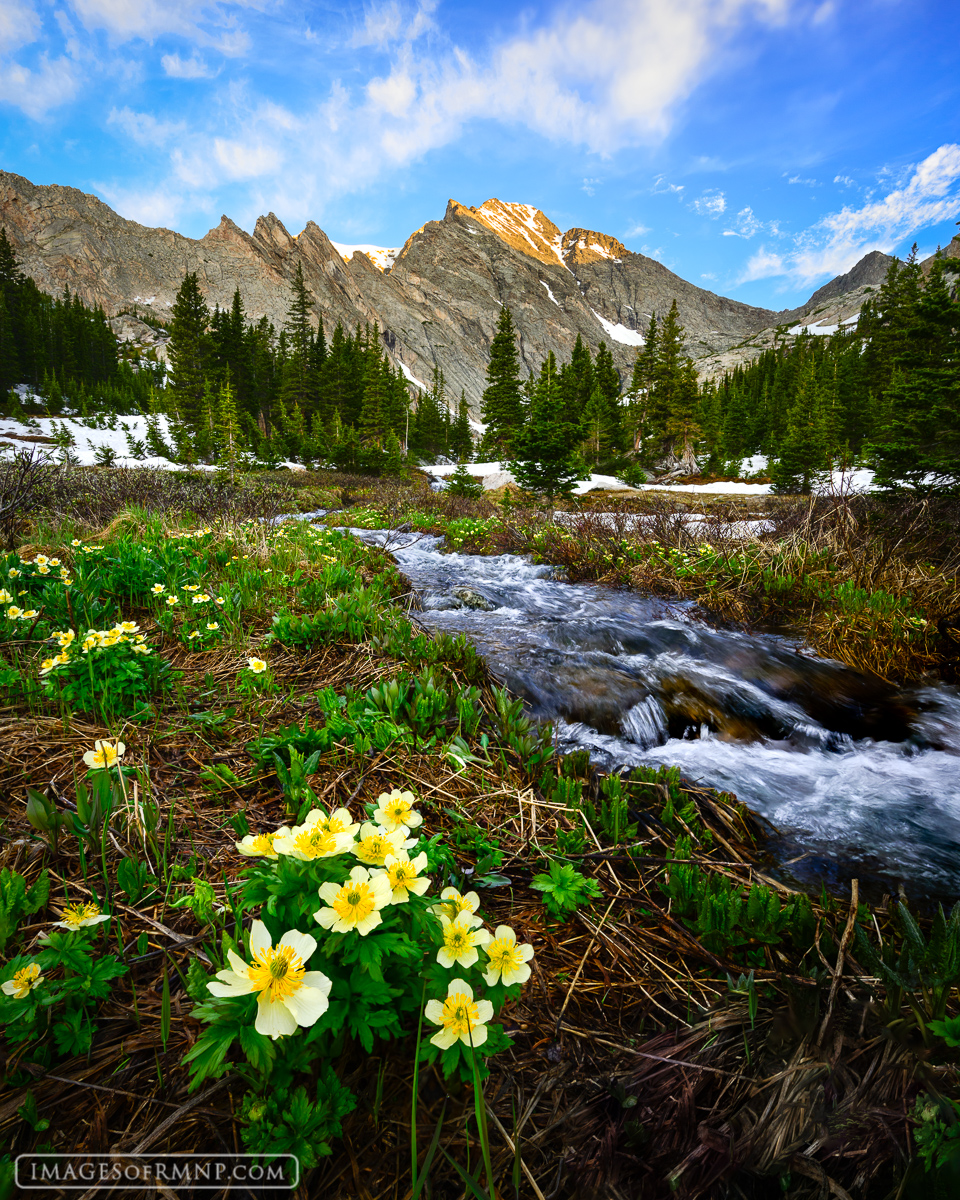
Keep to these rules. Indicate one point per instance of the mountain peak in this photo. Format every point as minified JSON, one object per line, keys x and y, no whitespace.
{"x":522,"y":226}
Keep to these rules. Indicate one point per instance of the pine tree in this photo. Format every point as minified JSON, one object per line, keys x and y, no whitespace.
{"x":299,"y":388}
{"x":803,"y":455}
{"x":461,"y":439}
{"x":544,"y":461}
{"x":188,"y":352}
{"x":918,"y":443}
{"x":228,"y":429}
{"x":502,"y":404}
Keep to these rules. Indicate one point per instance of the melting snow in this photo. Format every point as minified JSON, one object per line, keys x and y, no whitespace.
{"x":380,"y":256}
{"x":550,"y":294}
{"x":620,"y":332}
{"x":413,"y":379}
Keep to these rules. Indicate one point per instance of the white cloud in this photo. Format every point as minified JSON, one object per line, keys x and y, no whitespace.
{"x":392,"y":22}
{"x":185,"y":68}
{"x":637,"y":230}
{"x":844,"y":180}
{"x":747,"y":225}
{"x":661,"y":187}
{"x":244,"y":160}
{"x":151,"y":206}
{"x":803,"y":182}
{"x":35,"y":92}
{"x":19,"y":24}
{"x":145,"y":129}
{"x":710,"y":204}
{"x":839,"y":240}
{"x":590,"y":186}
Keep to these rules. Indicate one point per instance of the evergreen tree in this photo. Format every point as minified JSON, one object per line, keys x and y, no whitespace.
{"x":918,"y":443}
{"x":502,"y":404}
{"x":803,"y":455}
{"x":461,"y":438}
{"x":299,"y":387}
{"x":544,"y":461}
{"x":188,"y":352}
{"x":228,"y":428}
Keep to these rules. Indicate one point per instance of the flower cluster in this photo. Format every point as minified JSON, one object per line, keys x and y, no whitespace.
{"x":357,"y":902}
{"x":94,"y":641}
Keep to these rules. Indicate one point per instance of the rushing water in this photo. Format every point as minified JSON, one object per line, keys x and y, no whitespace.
{"x":851,"y":772}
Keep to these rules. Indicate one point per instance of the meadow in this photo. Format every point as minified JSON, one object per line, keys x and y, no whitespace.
{"x":284,"y":872}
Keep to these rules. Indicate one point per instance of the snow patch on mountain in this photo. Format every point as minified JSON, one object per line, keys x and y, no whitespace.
{"x":382,"y":257}
{"x":620,"y":332}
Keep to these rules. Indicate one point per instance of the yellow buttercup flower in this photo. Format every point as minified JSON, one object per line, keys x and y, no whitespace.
{"x":507,"y":962}
{"x":460,"y":942}
{"x":13,"y":573}
{"x":128,"y":627}
{"x":456,"y":907}
{"x":212,"y":626}
{"x":172,"y":600}
{"x":23,"y":982}
{"x":463,"y":1018}
{"x":339,"y":821}
{"x":288,"y":996}
{"x":191,"y":587}
{"x":158,"y":589}
{"x":376,"y":843}
{"x":356,"y":904}
{"x":203,"y":598}
{"x":104,"y":755}
{"x":404,"y":875}
{"x":43,"y":570}
{"x":395,"y":811}
{"x":14,"y":613}
{"x":78,"y":916}
{"x":308,"y":842}
{"x":5,"y":597}
{"x":41,"y":560}
{"x":256,"y":665}
{"x":260,"y":845}
{"x":28,"y":615}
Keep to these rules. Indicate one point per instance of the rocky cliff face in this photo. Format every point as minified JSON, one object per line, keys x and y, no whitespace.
{"x":437,"y":304}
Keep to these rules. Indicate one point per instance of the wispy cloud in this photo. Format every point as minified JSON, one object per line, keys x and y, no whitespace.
{"x":803,"y":182}
{"x":837,"y":241}
{"x":711,"y":204}
{"x":637,"y":229}
{"x":844,"y":180}
{"x":185,"y":68}
{"x":590,"y":186}
{"x":747,"y":225}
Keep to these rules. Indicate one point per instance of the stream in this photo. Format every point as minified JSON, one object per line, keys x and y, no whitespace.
{"x":858,"y":777}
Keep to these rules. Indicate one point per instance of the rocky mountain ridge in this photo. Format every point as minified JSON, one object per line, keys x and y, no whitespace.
{"x":436,"y":300}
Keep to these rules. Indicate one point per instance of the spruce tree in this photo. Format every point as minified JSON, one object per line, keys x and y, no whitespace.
{"x":502,"y":404}
{"x":188,"y":352}
{"x":544,"y":461}
{"x":461,"y":438}
{"x":228,"y":428}
{"x":803,"y":454}
{"x":299,"y":386}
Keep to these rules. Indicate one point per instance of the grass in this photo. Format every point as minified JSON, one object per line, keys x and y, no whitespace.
{"x":637,"y":1066}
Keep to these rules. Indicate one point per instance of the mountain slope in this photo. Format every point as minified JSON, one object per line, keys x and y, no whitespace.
{"x":437,"y":304}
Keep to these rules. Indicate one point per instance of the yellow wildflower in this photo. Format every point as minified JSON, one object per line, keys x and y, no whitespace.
{"x":104,"y":755}
{"x":256,"y":665}
{"x":158,"y":589}
{"x":463,"y":1018}
{"x":404,"y":875}
{"x":395,"y":811}
{"x":13,"y":612}
{"x":339,"y":821}
{"x":77,"y":916}
{"x":460,"y":943}
{"x":310,"y":841}
{"x":376,"y":843}
{"x":172,"y":600}
{"x":287,"y":995}
{"x":260,"y":845}
{"x":212,"y":626}
{"x":23,"y":982}
{"x":455,"y":907}
{"x":507,"y":962}
{"x":356,"y":904}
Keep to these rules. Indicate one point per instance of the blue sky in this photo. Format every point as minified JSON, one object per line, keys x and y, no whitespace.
{"x":756,"y":147}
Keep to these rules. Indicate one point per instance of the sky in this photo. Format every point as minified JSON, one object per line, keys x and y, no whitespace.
{"x":755,"y":147}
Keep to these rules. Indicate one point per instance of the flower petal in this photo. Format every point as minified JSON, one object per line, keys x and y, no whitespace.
{"x":456,"y":986}
{"x":300,"y":943}
{"x":444,"y":1038}
{"x":325,"y":917}
{"x":307,"y":1005}
{"x":260,"y":939}
{"x":484,"y":1011}
{"x":434,"y":1011}
{"x":274,"y":1019}
{"x":317,"y":980}
{"x":329,"y":891}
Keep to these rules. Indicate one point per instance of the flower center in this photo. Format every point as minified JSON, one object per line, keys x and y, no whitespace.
{"x":276,"y":973}
{"x":354,"y":904}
